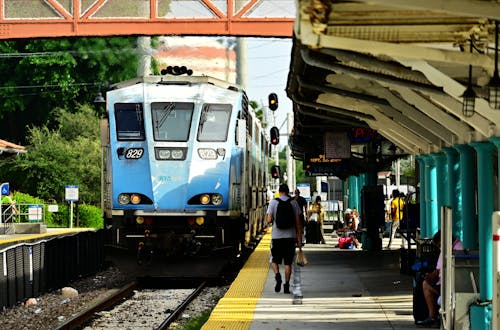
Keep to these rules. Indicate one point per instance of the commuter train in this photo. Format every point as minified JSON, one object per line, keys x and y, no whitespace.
{"x":185,"y":167}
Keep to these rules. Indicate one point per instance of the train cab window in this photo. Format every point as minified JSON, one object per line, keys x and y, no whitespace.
{"x":129,"y":122}
{"x":214,"y":123}
{"x":171,"y":120}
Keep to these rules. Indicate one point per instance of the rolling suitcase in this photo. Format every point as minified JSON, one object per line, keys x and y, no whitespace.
{"x":313,"y":235}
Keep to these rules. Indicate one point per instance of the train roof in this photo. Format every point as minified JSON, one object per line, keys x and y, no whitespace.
{"x":177,"y":80}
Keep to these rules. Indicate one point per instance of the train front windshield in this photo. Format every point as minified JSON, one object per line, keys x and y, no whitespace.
{"x":214,"y":123}
{"x":172,"y":120}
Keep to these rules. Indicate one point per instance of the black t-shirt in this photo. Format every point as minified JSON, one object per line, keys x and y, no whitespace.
{"x":302,"y":204}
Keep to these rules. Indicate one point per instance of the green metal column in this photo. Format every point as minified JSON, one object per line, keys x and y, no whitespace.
{"x":361,"y":184}
{"x":454,"y":198}
{"x":371,"y":178}
{"x":423,"y":207}
{"x":467,"y":189}
{"x":431,"y":211}
{"x":353,"y":192}
{"x":485,"y":210}
{"x":441,"y":183}
{"x":496,"y":141}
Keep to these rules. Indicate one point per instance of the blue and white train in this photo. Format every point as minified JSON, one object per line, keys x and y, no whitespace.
{"x":185,"y":166}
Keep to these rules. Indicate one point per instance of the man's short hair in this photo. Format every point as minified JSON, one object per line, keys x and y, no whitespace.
{"x":284,"y":188}
{"x":297,"y":192}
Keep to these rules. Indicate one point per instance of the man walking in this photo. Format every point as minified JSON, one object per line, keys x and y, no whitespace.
{"x":397,"y":206}
{"x":284,"y":238}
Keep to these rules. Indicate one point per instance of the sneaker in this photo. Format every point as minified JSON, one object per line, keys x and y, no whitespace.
{"x":427,"y":323}
{"x":277,"y":287}
{"x":286,"y":288}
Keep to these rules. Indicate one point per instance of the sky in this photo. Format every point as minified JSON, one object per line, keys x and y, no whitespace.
{"x":268,"y":65}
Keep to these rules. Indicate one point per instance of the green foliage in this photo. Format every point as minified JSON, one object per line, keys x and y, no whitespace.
{"x":196,"y":323}
{"x":56,"y":158}
{"x":90,"y":216}
{"x":57,"y":73}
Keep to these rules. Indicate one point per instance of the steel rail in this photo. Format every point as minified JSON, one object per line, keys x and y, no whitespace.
{"x":175,"y":314}
{"x":85,"y":315}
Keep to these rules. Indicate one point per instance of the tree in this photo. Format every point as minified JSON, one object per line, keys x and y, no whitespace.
{"x":44,"y":74}
{"x":69,"y":154}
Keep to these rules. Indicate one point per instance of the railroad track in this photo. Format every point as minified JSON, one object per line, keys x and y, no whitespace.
{"x":125,"y":295}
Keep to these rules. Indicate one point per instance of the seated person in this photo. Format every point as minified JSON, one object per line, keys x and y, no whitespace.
{"x":432,"y":284}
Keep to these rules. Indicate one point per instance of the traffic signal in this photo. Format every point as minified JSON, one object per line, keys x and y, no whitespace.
{"x":275,"y":172}
{"x":273,"y":101}
{"x":275,"y":135}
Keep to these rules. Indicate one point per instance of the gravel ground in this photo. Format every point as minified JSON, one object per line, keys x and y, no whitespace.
{"x":53,"y":308}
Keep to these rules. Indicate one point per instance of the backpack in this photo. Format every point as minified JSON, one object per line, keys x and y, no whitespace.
{"x":285,"y":216}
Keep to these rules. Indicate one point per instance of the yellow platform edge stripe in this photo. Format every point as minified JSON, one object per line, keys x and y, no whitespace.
{"x":25,"y":238}
{"x":236,"y":309}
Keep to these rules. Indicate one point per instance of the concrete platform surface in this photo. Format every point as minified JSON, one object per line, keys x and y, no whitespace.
{"x":341,"y":290}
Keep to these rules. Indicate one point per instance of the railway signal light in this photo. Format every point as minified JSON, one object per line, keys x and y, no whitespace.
{"x":275,"y":172}
{"x":275,"y":135}
{"x":273,"y":101}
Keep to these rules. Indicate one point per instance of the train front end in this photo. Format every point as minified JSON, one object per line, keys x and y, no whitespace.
{"x":173,"y":167}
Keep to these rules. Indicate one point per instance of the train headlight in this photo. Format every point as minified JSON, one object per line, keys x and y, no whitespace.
{"x":135,"y":199}
{"x":139,"y":220}
{"x":200,"y":220}
{"x":204,"y":199}
{"x":177,"y":154}
{"x":123,"y":198}
{"x":163,"y":154}
{"x":207,"y":153}
{"x":217,"y":199}
{"x":170,"y":153}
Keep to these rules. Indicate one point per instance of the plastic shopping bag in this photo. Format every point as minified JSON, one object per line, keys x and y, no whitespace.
{"x":301,"y":259}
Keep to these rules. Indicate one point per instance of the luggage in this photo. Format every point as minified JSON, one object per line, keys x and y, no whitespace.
{"x":313,"y":234}
{"x":420,"y":311}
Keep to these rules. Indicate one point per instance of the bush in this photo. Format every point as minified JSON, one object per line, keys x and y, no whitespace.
{"x":90,"y":216}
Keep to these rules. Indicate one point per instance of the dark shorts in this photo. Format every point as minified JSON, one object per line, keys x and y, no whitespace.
{"x":283,"y":250}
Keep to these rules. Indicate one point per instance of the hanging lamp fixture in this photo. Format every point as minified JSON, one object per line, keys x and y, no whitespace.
{"x":494,"y":84}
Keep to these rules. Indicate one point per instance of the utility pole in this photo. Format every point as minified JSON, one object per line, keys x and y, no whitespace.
{"x":241,"y":62}
{"x":290,"y":168}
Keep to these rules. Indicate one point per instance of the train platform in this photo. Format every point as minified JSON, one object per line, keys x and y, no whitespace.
{"x":10,"y":239}
{"x":340,"y":289}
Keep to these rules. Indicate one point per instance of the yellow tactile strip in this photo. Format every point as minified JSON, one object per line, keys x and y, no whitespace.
{"x":235,"y":310}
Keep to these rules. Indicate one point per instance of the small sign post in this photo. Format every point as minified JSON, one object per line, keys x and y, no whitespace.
{"x":4,"y":191}
{"x":71,"y":193}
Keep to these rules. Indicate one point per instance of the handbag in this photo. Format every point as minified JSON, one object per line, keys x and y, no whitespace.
{"x":301,"y":259}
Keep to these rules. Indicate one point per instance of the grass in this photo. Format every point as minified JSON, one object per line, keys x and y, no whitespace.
{"x":196,"y":323}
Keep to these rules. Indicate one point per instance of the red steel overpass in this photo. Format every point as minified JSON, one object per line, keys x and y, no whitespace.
{"x":71,"y":18}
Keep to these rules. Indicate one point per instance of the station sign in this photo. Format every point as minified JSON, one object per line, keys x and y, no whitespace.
{"x":318,"y":165}
{"x":71,"y":193}
{"x":361,"y":134}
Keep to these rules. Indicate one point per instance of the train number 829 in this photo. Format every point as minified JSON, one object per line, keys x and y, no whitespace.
{"x":134,"y":153}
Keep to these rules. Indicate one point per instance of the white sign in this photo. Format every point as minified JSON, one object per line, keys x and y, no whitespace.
{"x":34,"y":212}
{"x":305,"y":190}
{"x":53,"y":208}
{"x":72,"y":193}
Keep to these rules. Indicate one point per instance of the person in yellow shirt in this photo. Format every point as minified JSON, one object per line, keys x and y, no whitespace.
{"x":397,"y":209}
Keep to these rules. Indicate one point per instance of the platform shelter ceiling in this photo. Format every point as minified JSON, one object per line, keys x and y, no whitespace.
{"x":64,"y":18}
{"x":397,"y":67}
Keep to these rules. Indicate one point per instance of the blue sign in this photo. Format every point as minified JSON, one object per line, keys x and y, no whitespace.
{"x":5,"y":189}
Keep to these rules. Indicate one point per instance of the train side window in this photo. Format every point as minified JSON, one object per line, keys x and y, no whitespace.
{"x":129,"y":118}
{"x":214,"y":123}
{"x":171,"y":120}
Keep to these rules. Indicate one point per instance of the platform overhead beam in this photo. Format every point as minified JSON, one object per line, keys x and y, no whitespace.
{"x":51,"y":18}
